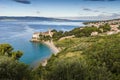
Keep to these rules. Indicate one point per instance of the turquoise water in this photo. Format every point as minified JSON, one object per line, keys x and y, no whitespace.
{"x":19,"y":33}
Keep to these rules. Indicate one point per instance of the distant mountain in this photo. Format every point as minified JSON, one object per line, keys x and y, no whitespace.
{"x":28,"y":18}
{"x":4,"y":18}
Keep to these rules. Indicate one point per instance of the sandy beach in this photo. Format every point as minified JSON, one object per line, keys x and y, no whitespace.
{"x":52,"y":46}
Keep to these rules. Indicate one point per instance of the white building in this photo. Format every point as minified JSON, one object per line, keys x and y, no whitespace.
{"x":35,"y":36}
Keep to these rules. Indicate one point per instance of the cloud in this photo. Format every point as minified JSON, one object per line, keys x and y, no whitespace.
{"x":96,"y":11}
{"x":23,"y":1}
{"x":106,"y":16}
{"x":37,"y":12}
{"x":87,"y":9}
{"x":102,"y":16}
{"x":113,"y":15}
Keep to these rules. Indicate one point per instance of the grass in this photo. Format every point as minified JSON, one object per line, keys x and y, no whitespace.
{"x":74,"y":47}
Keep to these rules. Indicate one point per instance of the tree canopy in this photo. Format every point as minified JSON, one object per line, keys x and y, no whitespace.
{"x":7,"y":50}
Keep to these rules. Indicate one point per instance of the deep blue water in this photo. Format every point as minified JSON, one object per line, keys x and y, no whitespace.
{"x":19,"y":33}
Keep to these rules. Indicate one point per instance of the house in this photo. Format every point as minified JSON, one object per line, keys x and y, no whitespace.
{"x":114,"y":27}
{"x":35,"y":36}
{"x":94,"y":33}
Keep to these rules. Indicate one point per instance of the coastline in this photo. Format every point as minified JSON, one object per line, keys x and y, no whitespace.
{"x":54,"y":49}
{"x":52,"y":46}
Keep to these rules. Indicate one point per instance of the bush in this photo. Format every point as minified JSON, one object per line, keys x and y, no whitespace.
{"x":106,"y":53}
{"x":7,"y":50}
{"x":85,"y":32}
{"x":105,"y":27}
{"x":66,"y":69}
{"x":13,"y":70}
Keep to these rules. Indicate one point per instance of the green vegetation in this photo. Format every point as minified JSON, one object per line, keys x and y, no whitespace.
{"x":77,"y":32}
{"x":10,"y":67}
{"x":13,"y":70}
{"x":105,"y":28}
{"x":85,"y":58}
{"x":57,"y":35}
{"x":105,"y":54}
{"x":81,"y":58}
{"x":44,"y":38}
{"x":7,"y":50}
{"x":84,"y":32}
{"x":80,"y":32}
{"x":119,"y":27}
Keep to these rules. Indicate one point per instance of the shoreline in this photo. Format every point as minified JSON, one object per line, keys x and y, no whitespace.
{"x":52,"y":46}
{"x":54,"y":49}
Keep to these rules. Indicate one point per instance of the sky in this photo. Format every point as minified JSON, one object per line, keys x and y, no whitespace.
{"x":61,"y":8}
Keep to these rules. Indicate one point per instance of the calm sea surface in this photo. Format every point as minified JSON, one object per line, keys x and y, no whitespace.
{"x":18,"y":34}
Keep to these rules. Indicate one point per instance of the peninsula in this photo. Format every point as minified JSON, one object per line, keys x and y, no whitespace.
{"x":45,"y":38}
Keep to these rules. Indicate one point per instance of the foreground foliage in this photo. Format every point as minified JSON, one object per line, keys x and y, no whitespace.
{"x":10,"y":67}
{"x":7,"y":50}
{"x":13,"y":70}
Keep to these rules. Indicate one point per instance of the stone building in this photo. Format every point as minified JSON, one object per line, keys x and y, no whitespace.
{"x":36,"y":35}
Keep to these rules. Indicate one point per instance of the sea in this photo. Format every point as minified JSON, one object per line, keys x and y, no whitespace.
{"x":19,"y":33}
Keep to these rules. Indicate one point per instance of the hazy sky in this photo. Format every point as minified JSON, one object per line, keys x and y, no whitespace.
{"x":60,"y":8}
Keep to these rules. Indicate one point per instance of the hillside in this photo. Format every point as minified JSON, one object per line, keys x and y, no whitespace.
{"x":86,"y":58}
{"x":83,"y":57}
{"x":111,"y":22}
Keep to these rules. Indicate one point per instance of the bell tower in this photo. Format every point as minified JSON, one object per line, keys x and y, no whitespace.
{"x":49,"y":31}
